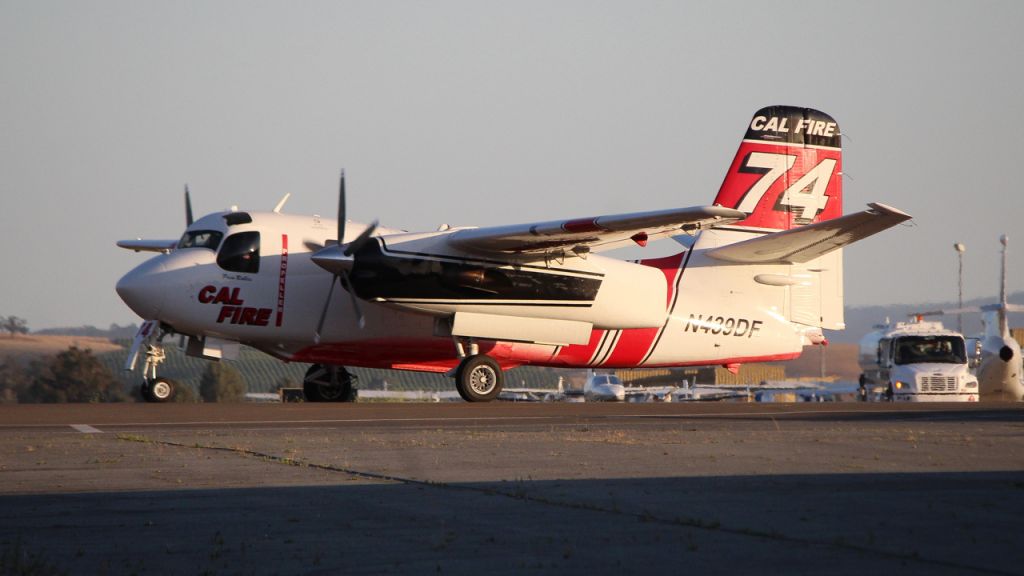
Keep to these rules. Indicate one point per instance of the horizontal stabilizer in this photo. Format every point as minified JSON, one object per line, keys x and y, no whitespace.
{"x":140,"y":245}
{"x":806,"y":243}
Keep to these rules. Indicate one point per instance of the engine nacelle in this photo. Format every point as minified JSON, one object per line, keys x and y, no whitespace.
{"x":421,"y":272}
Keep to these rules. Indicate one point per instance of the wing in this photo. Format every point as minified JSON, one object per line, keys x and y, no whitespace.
{"x":583,"y":235}
{"x":806,"y":243}
{"x":140,"y":245}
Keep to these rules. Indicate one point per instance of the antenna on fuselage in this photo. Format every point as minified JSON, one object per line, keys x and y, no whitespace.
{"x":280,"y":205}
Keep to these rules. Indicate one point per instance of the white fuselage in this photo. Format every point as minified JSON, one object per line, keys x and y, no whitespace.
{"x":681,"y":310}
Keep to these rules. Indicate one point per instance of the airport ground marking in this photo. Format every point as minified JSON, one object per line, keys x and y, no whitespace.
{"x":86,"y":429}
{"x":521,"y":494}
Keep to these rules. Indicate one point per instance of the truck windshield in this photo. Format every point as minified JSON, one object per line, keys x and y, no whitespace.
{"x":921,"y":349}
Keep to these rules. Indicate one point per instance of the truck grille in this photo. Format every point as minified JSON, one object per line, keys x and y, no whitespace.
{"x":938,"y":383}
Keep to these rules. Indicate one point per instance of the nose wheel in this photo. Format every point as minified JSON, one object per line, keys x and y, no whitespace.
{"x":479,"y":378}
{"x":158,"y":389}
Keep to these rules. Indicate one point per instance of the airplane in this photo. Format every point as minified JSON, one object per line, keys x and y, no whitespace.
{"x":1000,"y":370}
{"x":604,"y":388}
{"x":758,"y":276}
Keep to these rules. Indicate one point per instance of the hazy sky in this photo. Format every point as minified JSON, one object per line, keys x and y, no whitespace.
{"x":483,"y":113}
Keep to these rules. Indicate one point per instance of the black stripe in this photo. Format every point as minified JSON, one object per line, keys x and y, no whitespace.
{"x":377,"y":275}
{"x":611,"y":347}
{"x":597,"y":351}
{"x":483,"y":303}
{"x":671,"y":309}
{"x":474,"y":260}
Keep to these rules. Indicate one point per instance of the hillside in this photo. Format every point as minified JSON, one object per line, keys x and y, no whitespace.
{"x":31,"y":346}
{"x":860,"y":320}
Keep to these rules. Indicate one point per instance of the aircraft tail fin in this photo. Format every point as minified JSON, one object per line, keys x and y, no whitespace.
{"x":787,"y":171}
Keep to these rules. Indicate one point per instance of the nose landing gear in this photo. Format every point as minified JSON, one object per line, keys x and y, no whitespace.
{"x":158,"y":389}
{"x":154,"y":389}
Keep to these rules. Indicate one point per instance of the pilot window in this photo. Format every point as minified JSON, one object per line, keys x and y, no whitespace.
{"x":201,"y":239}
{"x":241,"y":253}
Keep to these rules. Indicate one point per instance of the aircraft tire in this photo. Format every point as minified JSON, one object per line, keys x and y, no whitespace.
{"x":479,"y":378}
{"x":158,"y":389}
{"x":327,"y":384}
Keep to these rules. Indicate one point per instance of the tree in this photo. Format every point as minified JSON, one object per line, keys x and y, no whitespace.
{"x":74,"y":375}
{"x":13,"y":380}
{"x":14,"y":325}
{"x":185,"y":394}
{"x":221,"y":382}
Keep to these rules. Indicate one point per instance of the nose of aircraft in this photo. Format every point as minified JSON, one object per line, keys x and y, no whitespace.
{"x":143,"y":289}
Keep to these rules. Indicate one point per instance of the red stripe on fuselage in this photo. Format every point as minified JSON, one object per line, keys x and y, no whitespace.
{"x":423,"y":355}
{"x":634,"y":344}
{"x":580,"y":354}
{"x":281,"y":280}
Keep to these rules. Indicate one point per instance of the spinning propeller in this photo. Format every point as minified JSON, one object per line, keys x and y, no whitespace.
{"x":339,"y":259}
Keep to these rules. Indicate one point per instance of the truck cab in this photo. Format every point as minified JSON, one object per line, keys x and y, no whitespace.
{"x":916,"y":362}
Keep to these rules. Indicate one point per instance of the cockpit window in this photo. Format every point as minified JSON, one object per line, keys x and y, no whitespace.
{"x":241,"y":253}
{"x":201,"y":239}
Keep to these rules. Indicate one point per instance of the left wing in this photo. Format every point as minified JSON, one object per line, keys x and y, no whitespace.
{"x":141,"y":245}
{"x":583,"y":235}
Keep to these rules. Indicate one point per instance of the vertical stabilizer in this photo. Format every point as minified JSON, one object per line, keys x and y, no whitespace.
{"x":787,"y":171}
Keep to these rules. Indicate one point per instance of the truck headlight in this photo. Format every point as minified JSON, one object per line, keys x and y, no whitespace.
{"x":972,"y":384}
{"x":899,"y":385}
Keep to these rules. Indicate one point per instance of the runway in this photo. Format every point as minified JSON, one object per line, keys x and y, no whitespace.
{"x":513,"y":488}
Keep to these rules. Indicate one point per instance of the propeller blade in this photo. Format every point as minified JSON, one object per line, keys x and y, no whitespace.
{"x":346,"y":283}
{"x":188,"y":207}
{"x":341,"y":209}
{"x":323,"y":315}
{"x":337,"y":260}
{"x":356,"y":244}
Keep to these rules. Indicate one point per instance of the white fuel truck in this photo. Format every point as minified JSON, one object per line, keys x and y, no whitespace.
{"x":916,"y":362}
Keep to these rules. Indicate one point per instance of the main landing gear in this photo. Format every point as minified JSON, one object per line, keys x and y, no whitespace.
{"x":478,"y":377}
{"x":326,"y":383}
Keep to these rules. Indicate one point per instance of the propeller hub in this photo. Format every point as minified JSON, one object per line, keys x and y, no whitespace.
{"x":333,"y":259}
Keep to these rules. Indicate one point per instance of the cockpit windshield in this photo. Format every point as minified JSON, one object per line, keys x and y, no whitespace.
{"x":201,"y":239}
{"x":923,"y":349}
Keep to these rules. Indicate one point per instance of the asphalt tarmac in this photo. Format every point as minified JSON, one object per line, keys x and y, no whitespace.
{"x":512,"y":489}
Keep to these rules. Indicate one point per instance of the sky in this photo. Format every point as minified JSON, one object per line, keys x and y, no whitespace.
{"x":489,"y":113}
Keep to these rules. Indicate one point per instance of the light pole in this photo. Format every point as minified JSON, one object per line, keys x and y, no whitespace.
{"x":959,"y":247}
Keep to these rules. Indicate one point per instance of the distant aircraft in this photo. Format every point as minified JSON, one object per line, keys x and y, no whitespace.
{"x":1001,"y":369}
{"x":604,"y":388}
{"x":759,"y":276}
